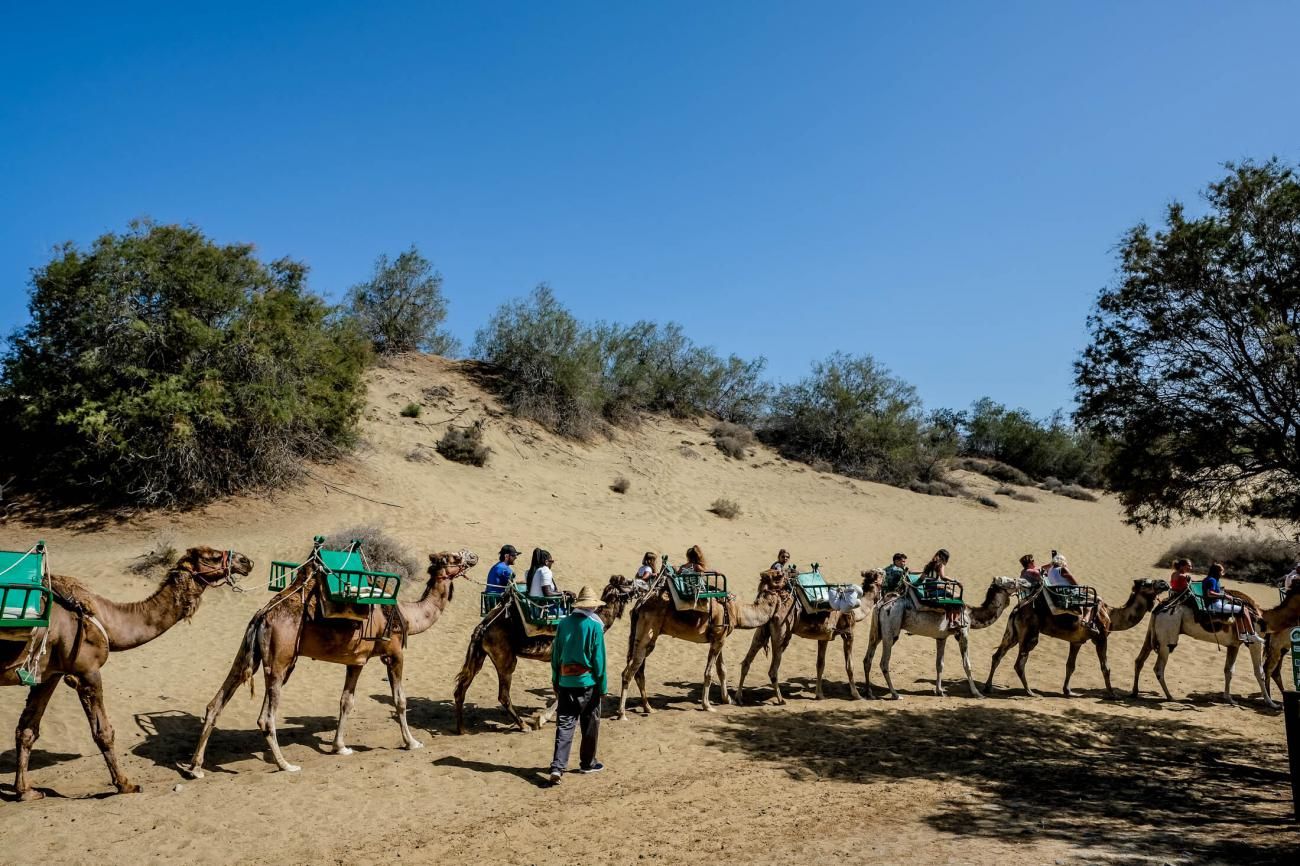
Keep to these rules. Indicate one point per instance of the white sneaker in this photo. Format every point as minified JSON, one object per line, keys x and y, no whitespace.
{"x":1252,"y":638}
{"x":556,"y":776}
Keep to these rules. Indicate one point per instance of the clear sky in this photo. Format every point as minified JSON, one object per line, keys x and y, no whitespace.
{"x":941,"y":185}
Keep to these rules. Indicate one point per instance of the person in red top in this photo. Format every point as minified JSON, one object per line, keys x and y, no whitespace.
{"x":1182,"y":576}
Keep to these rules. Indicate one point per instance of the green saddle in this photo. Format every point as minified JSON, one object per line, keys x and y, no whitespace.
{"x":545,"y":610}
{"x":24,"y":588}
{"x":347,"y":578}
{"x":697,"y":585}
{"x":940,"y":593}
{"x":813,"y":590}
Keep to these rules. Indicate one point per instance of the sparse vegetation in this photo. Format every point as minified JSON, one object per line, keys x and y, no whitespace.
{"x":162,"y":555}
{"x":987,"y":500}
{"x":401,"y":307}
{"x":936,"y":488}
{"x":994,"y":469}
{"x":733,"y":440}
{"x":381,"y":550}
{"x":621,"y":485}
{"x":419,"y":454}
{"x":1074,"y":491}
{"x":725,"y":508}
{"x":411,"y":410}
{"x":1260,"y":560}
{"x":162,"y":369}
{"x":465,"y":445}
{"x":1016,"y":447}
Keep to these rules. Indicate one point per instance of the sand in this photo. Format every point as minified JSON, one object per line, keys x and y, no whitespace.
{"x":1007,"y":779}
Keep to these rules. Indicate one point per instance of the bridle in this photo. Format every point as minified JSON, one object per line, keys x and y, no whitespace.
{"x":222,"y":573}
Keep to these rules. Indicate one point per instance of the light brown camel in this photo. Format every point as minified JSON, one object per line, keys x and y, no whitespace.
{"x":502,"y":638}
{"x":1276,"y":624}
{"x":657,"y":615}
{"x":821,"y":626}
{"x":281,"y":632}
{"x":84,"y":628}
{"x":1033,"y":617}
{"x":901,"y":614}
{"x":1170,"y":621}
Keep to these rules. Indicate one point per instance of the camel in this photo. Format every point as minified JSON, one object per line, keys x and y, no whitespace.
{"x":1033,"y":618}
{"x":501,"y":637}
{"x":1170,"y":621}
{"x":282,"y":631}
{"x":656,"y":615}
{"x":1276,"y":624}
{"x":902,"y":614}
{"x":84,"y":628}
{"x":821,"y":626}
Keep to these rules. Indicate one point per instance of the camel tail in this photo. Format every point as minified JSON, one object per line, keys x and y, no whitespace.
{"x":472,"y":653}
{"x":249,"y":657}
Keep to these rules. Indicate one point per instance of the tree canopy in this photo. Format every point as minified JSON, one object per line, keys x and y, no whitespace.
{"x":401,"y":307}
{"x":160,"y":368}
{"x":1193,"y":371}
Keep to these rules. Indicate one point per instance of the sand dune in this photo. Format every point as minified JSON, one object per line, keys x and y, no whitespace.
{"x":1007,"y":779}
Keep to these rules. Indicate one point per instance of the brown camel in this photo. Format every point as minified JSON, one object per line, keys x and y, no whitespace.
{"x":656,"y":615}
{"x":1170,"y":621}
{"x":502,"y":638}
{"x":904,"y":614}
{"x":1033,"y":617}
{"x":282,"y":631}
{"x":822,"y":626}
{"x":84,"y":628}
{"x":1276,"y":624}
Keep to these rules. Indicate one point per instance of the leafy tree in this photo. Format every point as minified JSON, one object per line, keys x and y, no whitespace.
{"x":401,"y":307}
{"x":1193,"y":371}
{"x":853,"y":414}
{"x":160,"y":368}
{"x":1041,"y":449}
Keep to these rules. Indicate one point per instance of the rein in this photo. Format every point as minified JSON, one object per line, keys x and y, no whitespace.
{"x":223,"y":573}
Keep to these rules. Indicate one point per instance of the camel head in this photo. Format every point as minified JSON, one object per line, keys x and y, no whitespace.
{"x":1148,"y":588}
{"x":1010,"y":585}
{"x":872,"y":585}
{"x":773,"y":581}
{"x":617,"y":593}
{"x":212,"y":567}
{"x":448,"y":566}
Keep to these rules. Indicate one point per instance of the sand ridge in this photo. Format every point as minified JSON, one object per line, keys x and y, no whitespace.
{"x":1006,"y":779}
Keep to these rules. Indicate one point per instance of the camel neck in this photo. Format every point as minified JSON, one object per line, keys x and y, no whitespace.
{"x":135,"y":623}
{"x":1139,"y":604}
{"x":987,"y":613}
{"x":422,"y":614}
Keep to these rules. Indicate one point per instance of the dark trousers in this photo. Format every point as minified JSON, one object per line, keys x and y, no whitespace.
{"x":576,"y":704}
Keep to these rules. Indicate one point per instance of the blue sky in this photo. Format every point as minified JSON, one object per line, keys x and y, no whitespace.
{"x":942,"y":187}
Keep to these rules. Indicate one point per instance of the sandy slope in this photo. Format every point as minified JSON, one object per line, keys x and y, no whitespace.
{"x":952,"y":780}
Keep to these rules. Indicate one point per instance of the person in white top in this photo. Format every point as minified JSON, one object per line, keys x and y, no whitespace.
{"x":1059,"y":573}
{"x":541,"y":581}
{"x":649,"y":567}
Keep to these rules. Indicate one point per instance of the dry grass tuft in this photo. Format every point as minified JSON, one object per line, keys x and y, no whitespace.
{"x":725,"y":508}
{"x":465,"y":445}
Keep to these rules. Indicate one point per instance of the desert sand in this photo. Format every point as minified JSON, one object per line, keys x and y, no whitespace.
{"x":1007,"y":779}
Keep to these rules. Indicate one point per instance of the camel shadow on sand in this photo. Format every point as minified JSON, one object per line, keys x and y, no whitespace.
{"x":170,"y":737}
{"x":1129,"y":789}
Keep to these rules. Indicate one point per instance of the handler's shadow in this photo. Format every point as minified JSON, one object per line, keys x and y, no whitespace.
{"x":171,"y":735}
{"x":531,"y":775}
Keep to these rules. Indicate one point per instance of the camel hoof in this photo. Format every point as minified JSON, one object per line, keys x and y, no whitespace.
{"x":895,"y":696}
{"x":128,"y":788}
{"x":414,"y":744}
{"x":780,"y":701}
{"x":341,"y":750}
{"x":854,"y":696}
{"x":708,"y":709}
{"x":1067,"y":694}
{"x":190,"y":771}
{"x":1030,"y":693}
{"x":31,"y":794}
{"x":291,"y":768}
{"x":976,"y":693}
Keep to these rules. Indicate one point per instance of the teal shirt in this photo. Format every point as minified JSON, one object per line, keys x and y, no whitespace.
{"x":579,"y":640}
{"x":894,"y":577}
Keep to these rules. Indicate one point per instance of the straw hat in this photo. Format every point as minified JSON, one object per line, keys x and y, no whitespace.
{"x":588,"y":599}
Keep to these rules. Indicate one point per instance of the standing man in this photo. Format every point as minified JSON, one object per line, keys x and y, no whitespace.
{"x":502,"y":575}
{"x":578,"y":674}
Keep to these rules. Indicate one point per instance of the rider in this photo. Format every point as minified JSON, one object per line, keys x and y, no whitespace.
{"x":935,"y":572}
{"x":1029,"y":570}
{"x":895,"y":573}
{"x":1059,"y":576}
{"x":1220,"y":602}
{"x":1291,"y":580}
{"x":541,"y":582}
{"x":1181,"y":578}
{"x":649,"y":568}
{"x":502,"y":575}
{"x":782,"y":561}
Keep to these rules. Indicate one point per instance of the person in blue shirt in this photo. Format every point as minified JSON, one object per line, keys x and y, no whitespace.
{"x":1218,"y":601}
{"x":578,"y":675}
{"x":502,"y":575}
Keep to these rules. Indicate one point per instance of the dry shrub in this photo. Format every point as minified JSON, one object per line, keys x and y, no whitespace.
{"x":411,"y":410}
{"x":163,"y":555}
{"x":936,"y":488}
{"x":1262,"y":560}
{"x":1004,"y":490}
{"x":1074,"y":491}
{"x":996,"y":470}
{"x":725,"y":508}
{"x":381,"y":550}
{"x":420,"y":454}
{"x":987,"y":500}
{"x":733,"y":448}
{"x":1051,"y":483}
{"x":822,"y":466}
{"x":1024,"y":497}
{"x":688,"y":452}
{"x":465,"y":445}
{"x":621,"y":485}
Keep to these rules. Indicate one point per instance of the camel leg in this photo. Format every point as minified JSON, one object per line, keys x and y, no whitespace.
{"x":29,"y":729}
{"x":1070,"y":661}
{"x":761,"y":638}
{"x":474,"y":658}
{"x":505,"y":666}
{"x":1257,"y":661}
{"x":963,"y":644}
{"x":240,"y":671}
{"x":641,"y":647}
{"x":1276,"y":648}
{"x":848,"y":668}
{"x":1009,"y":640}
{"x":721,"y":665}
{"x":708,"y":677}
{"x":1141,"y":661}
{"x":886,"y":651}
{"x":1099,"y":643}
{"x":1028,"y":642}
{"x":266,"y":721}
{"x":346,"y":700}
{"x":940,"y":645}
{"x":1230,"y":662}
{"x":1162,"y":659}
{"x":821,"y":667}
{"x":873,"y":638}
{"x":396,"y":666}
{"x":90,"y":689}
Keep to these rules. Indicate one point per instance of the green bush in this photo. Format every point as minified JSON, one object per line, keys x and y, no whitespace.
{"x":1262,"y":560}
{"x":401,"y":307}
{"x":411,"y":410}
{"x":160,"y":368}
{"x":1030,"y":446}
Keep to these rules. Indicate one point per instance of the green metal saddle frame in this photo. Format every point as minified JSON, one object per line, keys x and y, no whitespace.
{"x":347,"y":577}
{"x":24,"y":588}
{"x":813,"y":590}
{"x":940,"y":593}
{"x":537,"y":609}
{"x":696,"y":585}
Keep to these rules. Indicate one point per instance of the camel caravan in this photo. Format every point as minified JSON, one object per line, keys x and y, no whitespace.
{"x":334,"y":607}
